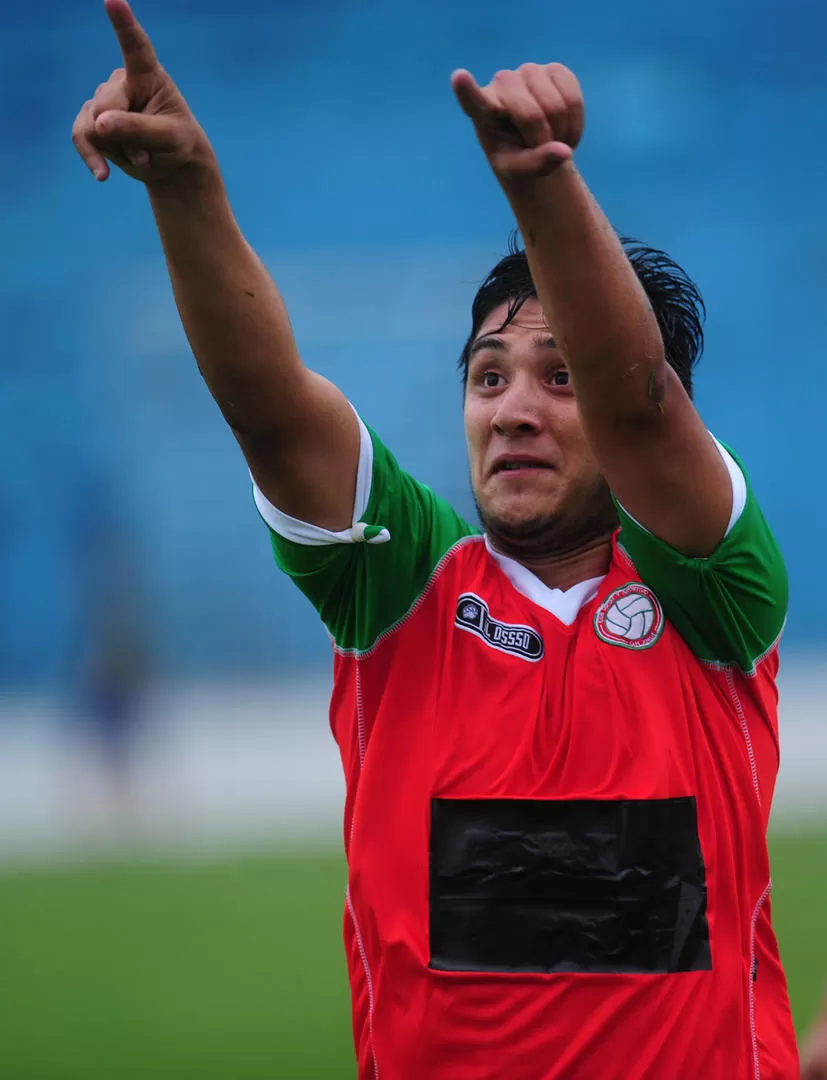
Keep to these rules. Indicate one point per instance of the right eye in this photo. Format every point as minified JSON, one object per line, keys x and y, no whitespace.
{"x":490,"y":379}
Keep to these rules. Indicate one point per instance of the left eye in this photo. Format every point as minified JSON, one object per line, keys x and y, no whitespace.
{"x":560,"y":378}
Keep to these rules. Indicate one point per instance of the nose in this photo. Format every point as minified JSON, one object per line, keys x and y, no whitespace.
{"x":518,"y":410}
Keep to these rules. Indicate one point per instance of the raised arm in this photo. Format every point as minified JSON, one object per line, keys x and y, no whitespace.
{"x":297,"y":431}
{"x":652,"y":446}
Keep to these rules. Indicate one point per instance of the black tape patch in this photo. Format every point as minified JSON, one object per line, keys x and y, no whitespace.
{"x":473,"y":615}
{"x":581,"y":885}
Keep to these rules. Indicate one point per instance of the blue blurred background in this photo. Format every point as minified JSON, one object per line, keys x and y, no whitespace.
{"x":132,"y":561}
{"x":359,"y":181}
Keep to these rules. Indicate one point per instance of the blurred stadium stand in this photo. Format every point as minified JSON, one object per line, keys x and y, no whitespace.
{"x":358,"y":179}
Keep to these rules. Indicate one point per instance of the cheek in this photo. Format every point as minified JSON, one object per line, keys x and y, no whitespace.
{"x":475,"y":437}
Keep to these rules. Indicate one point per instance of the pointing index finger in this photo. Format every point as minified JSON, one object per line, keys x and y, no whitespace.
{"x":138,"y":54}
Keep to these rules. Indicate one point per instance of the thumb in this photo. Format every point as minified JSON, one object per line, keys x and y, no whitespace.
{"x":160,"y":133}
{"x":526,"y":164}
{"x":471,"y":98}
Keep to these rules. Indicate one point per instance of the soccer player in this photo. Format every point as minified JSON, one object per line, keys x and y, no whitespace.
{"x":559,"y":735}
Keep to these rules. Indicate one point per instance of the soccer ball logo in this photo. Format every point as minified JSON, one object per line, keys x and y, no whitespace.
{"x":630,"y":616}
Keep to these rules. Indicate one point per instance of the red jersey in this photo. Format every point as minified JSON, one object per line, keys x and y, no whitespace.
{"x":556,"y":802}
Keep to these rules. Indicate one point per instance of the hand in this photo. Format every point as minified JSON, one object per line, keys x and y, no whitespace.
{"x":814,"y":1054}
{"x":138,"y":119}
{"x":528,"y":121}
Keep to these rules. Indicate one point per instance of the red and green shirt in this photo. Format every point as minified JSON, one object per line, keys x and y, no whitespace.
{"x":556,"y":801}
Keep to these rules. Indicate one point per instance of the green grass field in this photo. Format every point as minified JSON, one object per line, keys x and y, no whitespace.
{"x":234,"y":970}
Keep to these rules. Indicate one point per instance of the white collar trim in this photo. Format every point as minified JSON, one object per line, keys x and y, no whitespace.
{"x":563,"y":603}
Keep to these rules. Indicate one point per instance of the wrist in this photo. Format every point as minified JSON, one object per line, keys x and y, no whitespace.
{"x":556,"y":209}
{"x":540,"y":190}
{"x":190,"y":184}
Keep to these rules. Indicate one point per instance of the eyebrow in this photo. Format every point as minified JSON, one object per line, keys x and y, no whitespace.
{"x":490,"y":341}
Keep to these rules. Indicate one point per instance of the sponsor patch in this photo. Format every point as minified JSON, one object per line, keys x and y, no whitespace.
{"x":473,"y":615}
{"x":630,"y":616}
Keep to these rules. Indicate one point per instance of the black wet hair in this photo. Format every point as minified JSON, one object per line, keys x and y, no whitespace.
{"x":675,"y":298}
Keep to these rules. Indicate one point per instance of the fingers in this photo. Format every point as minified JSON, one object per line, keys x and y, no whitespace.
{"x":138,"y":54}
{"x":471,"y":97}
{"x":570,"y":91}
{"x":526,"y":111}
{"x":539,"y":161}
{"x":537,"y":107}
{"x":111,"y":95}
{"x":126,"y":138}
{"x":506,"y":99}
{"x":814,"y":1064}
{"x":123,"y":131}
{"x":542,"y":86}
{"x":94,"y":159}
{"x":114,"y":95}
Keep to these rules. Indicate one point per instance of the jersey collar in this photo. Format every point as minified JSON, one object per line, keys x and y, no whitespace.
{"x":564,"y":604}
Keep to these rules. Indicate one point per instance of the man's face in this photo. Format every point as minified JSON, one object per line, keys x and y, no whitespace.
{"x":535,"y":480}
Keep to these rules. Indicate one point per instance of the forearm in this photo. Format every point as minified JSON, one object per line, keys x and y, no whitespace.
{"x":595,"y":306}
{"x":298,"y":433}
{"x":231,"y":310}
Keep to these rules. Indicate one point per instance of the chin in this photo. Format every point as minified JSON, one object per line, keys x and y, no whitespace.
{"x":520,"y":511}
{"x":533,"y":526}
{"x":515,"y":518}
{"x":518,"y":503}
{"x":519,"y":519}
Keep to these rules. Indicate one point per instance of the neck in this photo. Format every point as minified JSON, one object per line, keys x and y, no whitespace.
{"x":562,"y":570}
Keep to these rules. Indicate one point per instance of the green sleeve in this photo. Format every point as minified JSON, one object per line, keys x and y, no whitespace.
{"x":730,"y":608}
{"x":360,"y":590}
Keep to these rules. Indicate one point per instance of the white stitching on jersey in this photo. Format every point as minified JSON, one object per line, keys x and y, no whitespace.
{"x":429,"y":584}
{"x":622,"y":550}
{"x":767,"y":652}
{"x":742,"y":720}
{"x":360,"y":718}
{"x":366,"y":966}
{"x":756,"y":1061}
{"x":736,"y":701}
{"x":722,"y":665}
{"x":361,"y":736}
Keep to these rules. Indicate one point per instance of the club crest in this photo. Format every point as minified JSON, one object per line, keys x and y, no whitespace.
{"x":473,"y":616}
{"x":630,"y":616}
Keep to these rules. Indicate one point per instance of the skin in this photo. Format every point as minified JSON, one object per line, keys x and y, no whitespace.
{"x":652,"y":446}
{"x":519,"y":402}
{"x":814,"y":1051}
{"x":632,"y":428}
{"x":624,"y":420}
{"x":296,"y":429}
